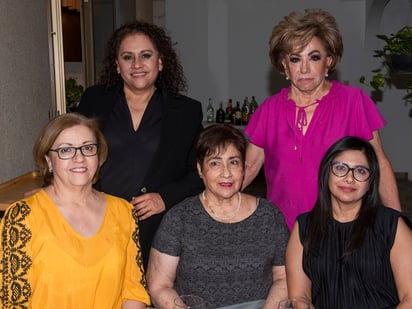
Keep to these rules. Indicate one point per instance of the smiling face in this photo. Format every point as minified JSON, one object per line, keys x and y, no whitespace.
{"x":222,"y":173}
{"x":307,"y":69}
{"x":138,"y":62}
{"x":80,"y":170}
{"x":347,"y":190}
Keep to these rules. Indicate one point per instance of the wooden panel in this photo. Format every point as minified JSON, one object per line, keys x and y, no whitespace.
{"x":14,"y":189}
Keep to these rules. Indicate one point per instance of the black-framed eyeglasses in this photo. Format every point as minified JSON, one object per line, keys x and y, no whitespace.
{"x":360,"y":173}
{"x":69,"y":152}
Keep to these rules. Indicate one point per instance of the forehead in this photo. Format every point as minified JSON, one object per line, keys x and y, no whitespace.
{"x":352,"y":157}
{"x":75,"y":134}
{"x":315,"y":44}
{"x":136,"y":41}
{"x":224,"y":151}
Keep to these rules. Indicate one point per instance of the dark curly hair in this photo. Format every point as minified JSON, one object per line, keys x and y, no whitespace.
{"x":171,"y":77}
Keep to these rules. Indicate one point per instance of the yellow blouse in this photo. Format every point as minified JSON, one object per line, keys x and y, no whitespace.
{"x":46,"y":264}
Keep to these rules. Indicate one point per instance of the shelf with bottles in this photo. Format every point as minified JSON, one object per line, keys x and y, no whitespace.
{"x":234,"y":114}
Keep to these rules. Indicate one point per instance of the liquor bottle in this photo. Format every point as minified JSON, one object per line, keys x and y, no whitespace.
{"x":229,"y":112}
{"x":210,"y":112}
{"x":253,"y":105}
{"x":238,"y":114}
{"x":245,"y":111}
{"x":220,"y":114}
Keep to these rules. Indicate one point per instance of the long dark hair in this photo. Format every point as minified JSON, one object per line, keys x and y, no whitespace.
{"x":321,"y":217}
{"x":171,"y":77}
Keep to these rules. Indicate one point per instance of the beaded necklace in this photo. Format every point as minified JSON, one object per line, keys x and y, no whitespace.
{"x":224,"y":218}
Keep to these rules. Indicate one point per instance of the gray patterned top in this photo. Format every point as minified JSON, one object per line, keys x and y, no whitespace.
{"x":225,"y":263}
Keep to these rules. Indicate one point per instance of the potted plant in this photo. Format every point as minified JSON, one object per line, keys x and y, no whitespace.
{"x":73,"y":93}
{"x":396,"y":65}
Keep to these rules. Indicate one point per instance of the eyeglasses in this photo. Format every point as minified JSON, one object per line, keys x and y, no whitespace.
{"x":360,"y":173}
{"x":66,"y":153}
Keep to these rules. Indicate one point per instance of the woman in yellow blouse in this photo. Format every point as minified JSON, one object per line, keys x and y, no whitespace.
{"x":68,"y":245}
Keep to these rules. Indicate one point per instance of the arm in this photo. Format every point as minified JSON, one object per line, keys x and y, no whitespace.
{"x":255,"y":156}
{"x":172,"y":192}
{"x":278,"y":291}
{"x":299,"y":285}
{"x":388,"y":188}
{"x":401,"y":263}
{"x":161,"y":275}
{"x":132,"y":304}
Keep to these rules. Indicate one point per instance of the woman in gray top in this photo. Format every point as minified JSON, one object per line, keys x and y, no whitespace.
{"x":223,"y":245}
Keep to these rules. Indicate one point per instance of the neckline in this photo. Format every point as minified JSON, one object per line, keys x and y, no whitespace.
{"x":325,"y":98}
{"x":207,"y":214}
{"x":216,"y":215}
{"x":65,"y":222}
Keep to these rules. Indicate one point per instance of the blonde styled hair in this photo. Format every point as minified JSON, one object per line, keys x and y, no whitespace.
{"x":295,"y":32}
{"x":50,"y":133}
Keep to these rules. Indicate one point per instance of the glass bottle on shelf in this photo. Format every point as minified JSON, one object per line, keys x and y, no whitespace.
{"x":229,"y":112}
{"x":210,"y":112}
{"x":238,"y":114}
{"x":220,"y":114}
{"x":245,"y":111}
{"x":253,"y":105}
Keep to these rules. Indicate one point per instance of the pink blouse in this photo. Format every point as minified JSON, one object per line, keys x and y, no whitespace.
{"x":291,"y":158}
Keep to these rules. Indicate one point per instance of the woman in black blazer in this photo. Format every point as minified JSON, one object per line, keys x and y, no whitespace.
{"x":151,"y":129}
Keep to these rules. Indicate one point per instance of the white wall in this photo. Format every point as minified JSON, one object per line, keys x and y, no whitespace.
{"x":223,"y":45}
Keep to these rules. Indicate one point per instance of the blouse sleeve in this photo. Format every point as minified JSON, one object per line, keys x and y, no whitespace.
{"x":256,"y":127}
{"x":365,"y":118}
{"x":168,"y":235}
{"x":135,"y":286}
{"x":15,"y":256}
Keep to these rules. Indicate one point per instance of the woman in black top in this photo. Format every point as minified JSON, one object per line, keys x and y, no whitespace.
{"x":150,"y":127}
{"x":350,"y":251}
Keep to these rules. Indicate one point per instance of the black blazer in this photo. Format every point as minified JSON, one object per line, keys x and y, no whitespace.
{"x":173,"y":172}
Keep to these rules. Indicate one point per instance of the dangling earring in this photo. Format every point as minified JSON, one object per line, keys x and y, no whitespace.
{"x":326,"y":74}
{"x":287,"y":77}
{"x":50,"y":170}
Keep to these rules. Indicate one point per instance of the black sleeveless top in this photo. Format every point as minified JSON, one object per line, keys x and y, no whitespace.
{"x":365,"y":280}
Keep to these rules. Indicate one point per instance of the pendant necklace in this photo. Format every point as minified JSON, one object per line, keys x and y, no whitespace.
{"x":224,"y":218}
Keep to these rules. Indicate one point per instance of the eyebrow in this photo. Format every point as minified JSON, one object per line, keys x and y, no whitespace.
{"x":142,"y":51}
{"x":316,"y":51}
{"x":65,"y":144}
{"x":220,"y":158}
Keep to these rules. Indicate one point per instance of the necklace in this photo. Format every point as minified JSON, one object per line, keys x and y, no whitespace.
{"x":224,"y":218}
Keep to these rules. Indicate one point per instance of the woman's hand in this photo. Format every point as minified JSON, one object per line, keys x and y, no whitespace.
{"x":148,"y":204}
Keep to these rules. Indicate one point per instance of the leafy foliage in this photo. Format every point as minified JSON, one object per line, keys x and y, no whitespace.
{"x":73,"y":93}
{"x":399,"y":43}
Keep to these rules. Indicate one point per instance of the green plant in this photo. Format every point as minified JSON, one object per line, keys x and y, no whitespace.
{"x":73,"y":93}
{"x":399,"y":43}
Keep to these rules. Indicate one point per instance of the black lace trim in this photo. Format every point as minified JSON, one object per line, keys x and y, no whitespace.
{"x":139,"y":259}
{"x":15,"y":262}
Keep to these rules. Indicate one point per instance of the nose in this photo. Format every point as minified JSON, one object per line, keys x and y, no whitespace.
{"x":136,"y":62}
{"x":225,"y":171}
{"x":349,"y":178}
{"x":304,"y":66}
{"x":78,"y":156}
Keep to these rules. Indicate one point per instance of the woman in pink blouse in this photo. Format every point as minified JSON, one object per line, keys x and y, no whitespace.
{"x":290,"y":132}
